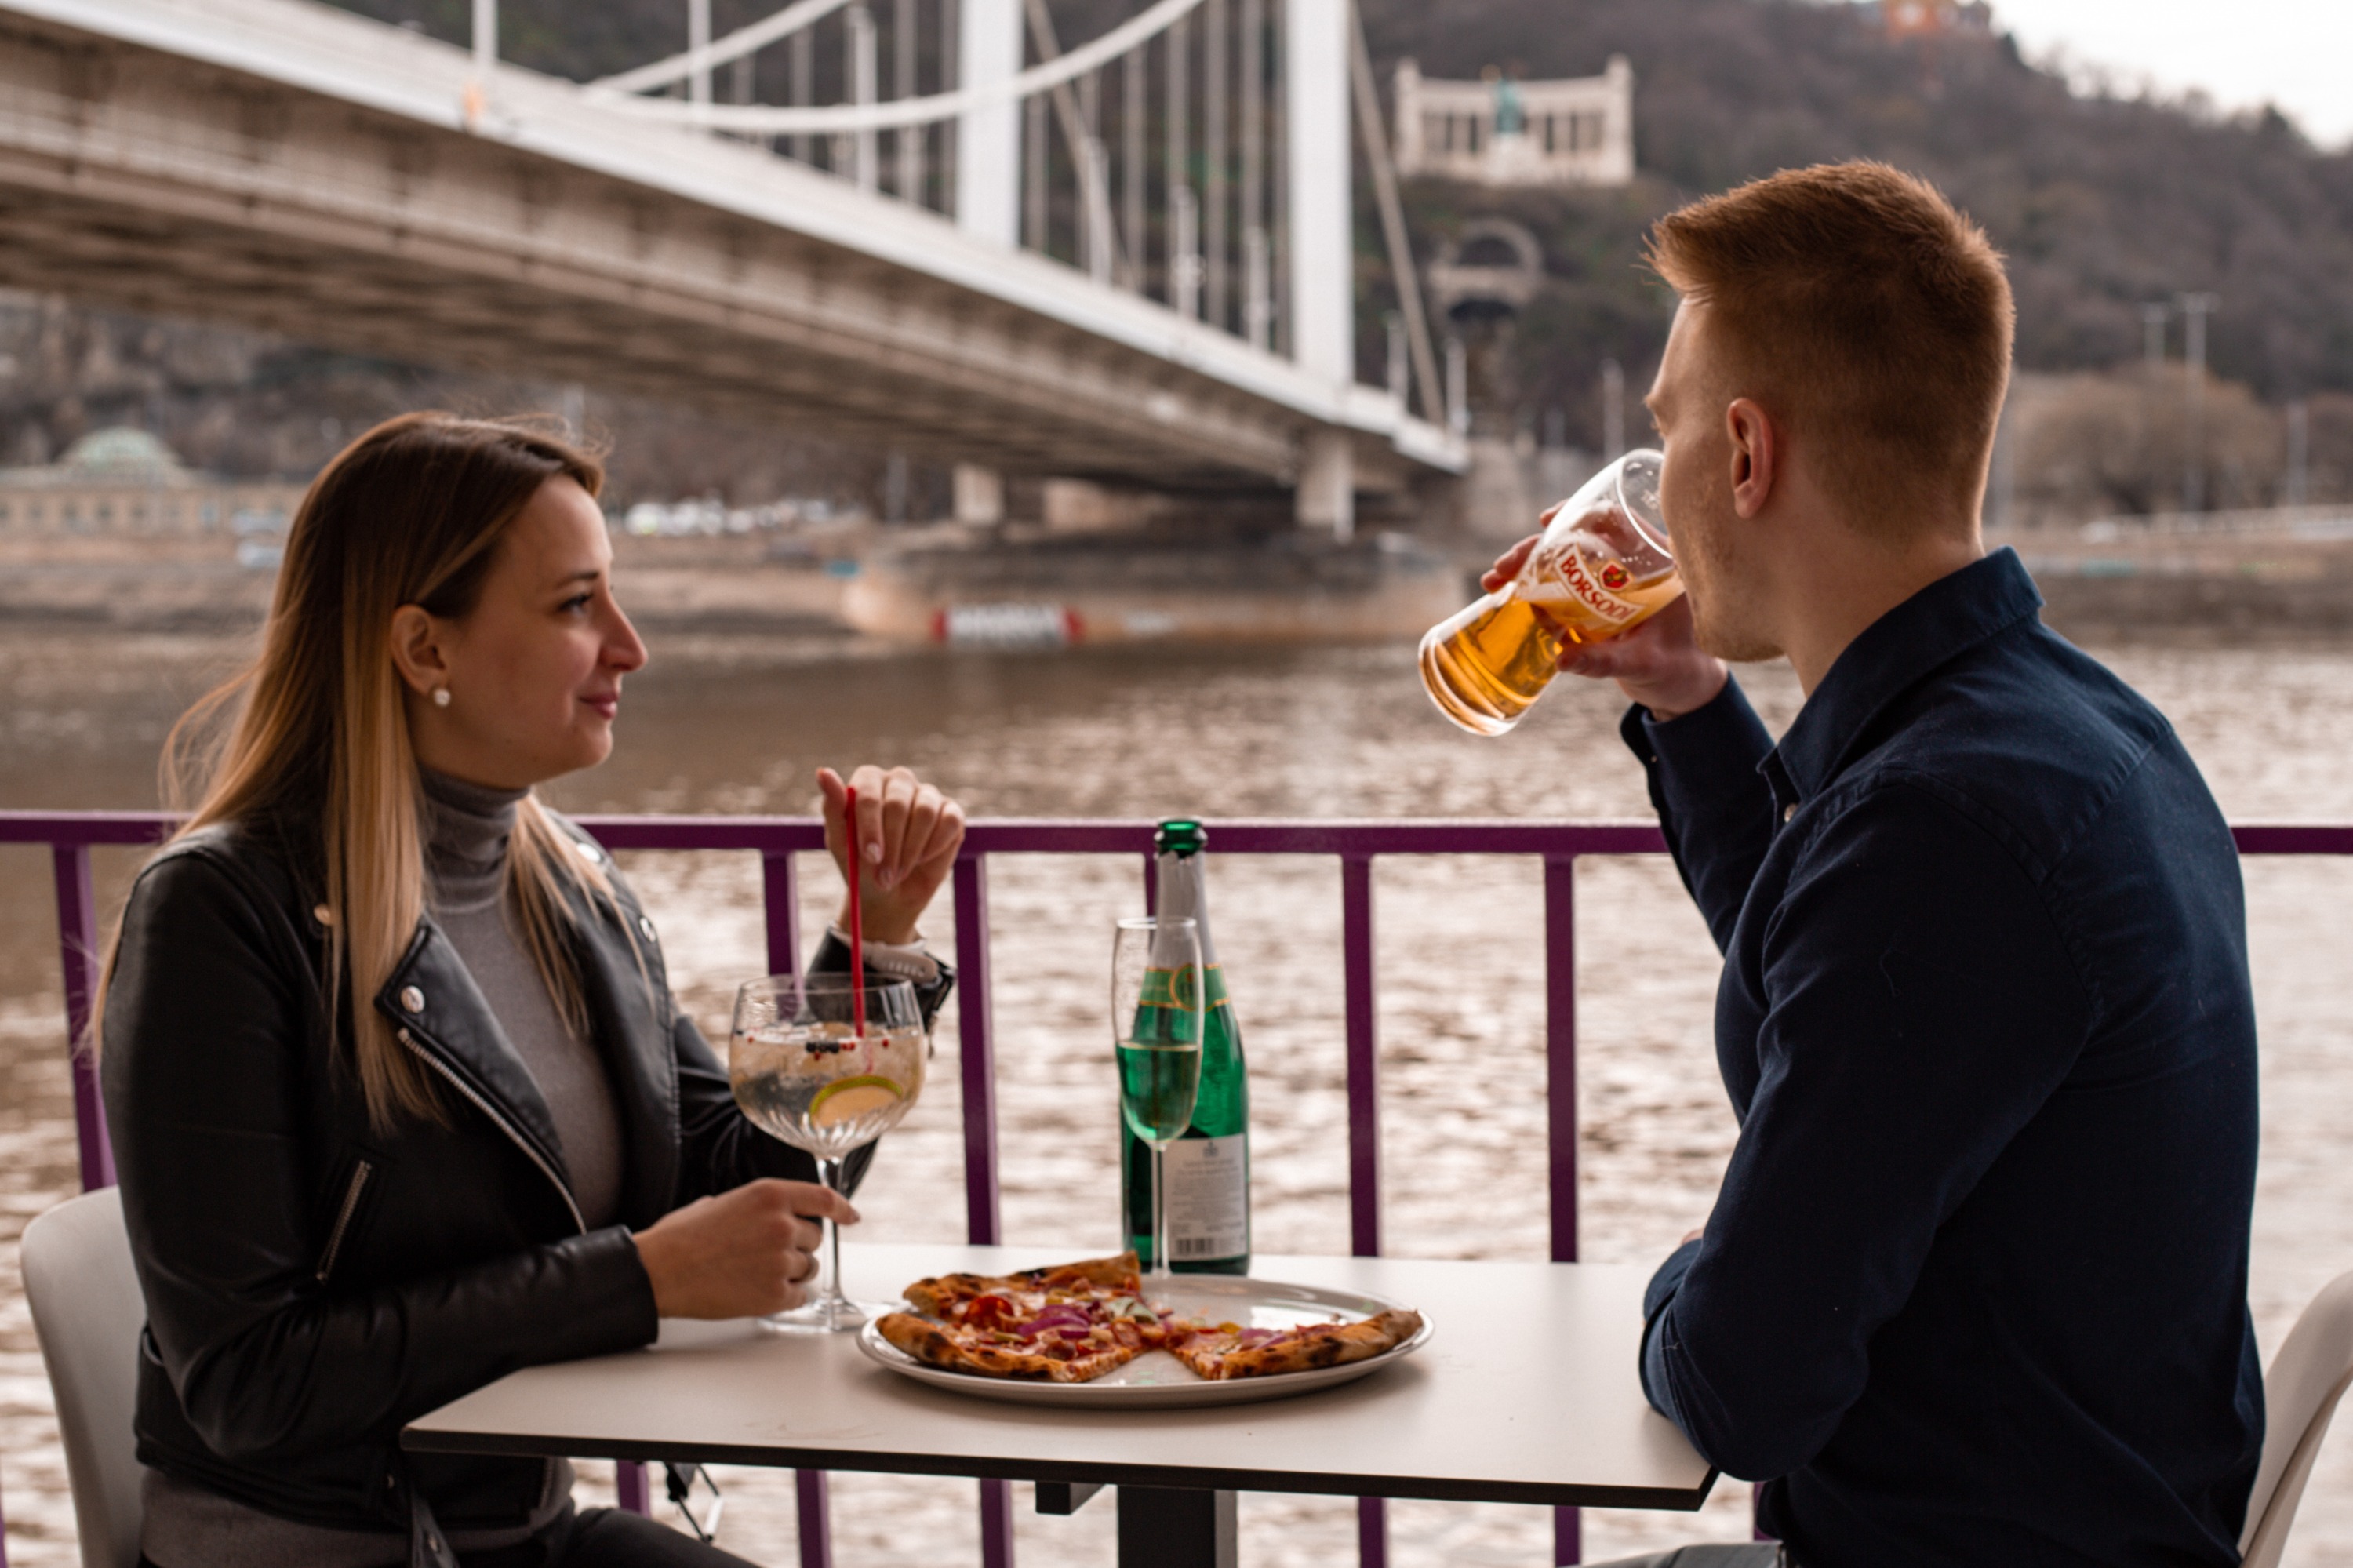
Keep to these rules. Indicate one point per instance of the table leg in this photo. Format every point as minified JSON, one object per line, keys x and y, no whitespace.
{"x":1163,"y":1527}
{"x":1063,"y":1498}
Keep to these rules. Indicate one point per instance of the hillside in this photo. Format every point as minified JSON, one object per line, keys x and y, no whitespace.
{"x":2100,"y":204}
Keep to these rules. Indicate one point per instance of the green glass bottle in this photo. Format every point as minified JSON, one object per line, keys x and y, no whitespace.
{"x":1208,"y":1166}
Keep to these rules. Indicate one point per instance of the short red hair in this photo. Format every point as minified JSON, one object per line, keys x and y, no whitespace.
{"x":1863,"y":311}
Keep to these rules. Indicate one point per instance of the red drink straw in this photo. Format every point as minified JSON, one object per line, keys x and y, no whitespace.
{"x":857,"y":923}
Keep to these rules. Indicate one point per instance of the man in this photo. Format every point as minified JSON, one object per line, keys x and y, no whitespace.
{"x":1974,"y":1289}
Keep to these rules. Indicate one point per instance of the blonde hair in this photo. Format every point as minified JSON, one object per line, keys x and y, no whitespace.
{"x":411,"y":513}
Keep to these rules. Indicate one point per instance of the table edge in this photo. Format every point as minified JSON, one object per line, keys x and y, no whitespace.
{"x":1185,"y":1476}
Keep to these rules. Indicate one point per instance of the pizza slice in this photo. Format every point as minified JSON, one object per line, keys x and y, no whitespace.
{"x":1229,"y":1351}
{"x":1070,"y":1323}
{"x":1054,"y":1359}
{"x":946,"y":1297}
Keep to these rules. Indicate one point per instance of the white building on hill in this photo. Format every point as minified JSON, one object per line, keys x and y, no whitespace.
{"x":1500,"y":132}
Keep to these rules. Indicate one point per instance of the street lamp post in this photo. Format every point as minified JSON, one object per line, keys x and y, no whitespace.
{"x":2195,"y":309}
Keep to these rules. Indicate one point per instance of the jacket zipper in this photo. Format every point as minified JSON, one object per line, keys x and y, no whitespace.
{"x":504,"y":1125}
{"x":360,"y":1174}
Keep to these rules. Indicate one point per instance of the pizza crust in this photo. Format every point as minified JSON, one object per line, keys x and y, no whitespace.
{"x":938,"y":1346}
{"x":1219,"y":1356}
{"x":936,"y":1296}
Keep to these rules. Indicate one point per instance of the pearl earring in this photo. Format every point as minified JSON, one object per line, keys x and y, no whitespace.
{"x":440,"y":697}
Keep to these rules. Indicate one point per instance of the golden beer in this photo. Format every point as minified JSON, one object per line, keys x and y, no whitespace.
{"x":1603,"y":566}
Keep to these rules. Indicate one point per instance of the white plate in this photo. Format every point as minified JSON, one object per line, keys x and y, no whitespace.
{"x":1157,"y":1380}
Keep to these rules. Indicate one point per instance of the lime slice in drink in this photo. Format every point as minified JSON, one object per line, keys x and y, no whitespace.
{"x":847,"y":1099}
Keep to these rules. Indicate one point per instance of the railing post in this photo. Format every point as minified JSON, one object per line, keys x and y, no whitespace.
{"x":978,"y":1036}
{"x":1364,"y":1059}
{"x":1362,"y":1003}
{"x":77,"y":947}
{"x":814,"y":1501}
{"x":996,"y":1524}
{"x":1560,"y":1104}
{"x":780,"y":900}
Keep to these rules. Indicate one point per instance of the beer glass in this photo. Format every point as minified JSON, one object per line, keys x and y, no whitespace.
{"x":1603,"y":565}
{"x":803,"y":1070}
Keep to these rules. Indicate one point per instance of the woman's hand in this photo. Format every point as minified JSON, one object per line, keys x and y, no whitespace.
{"x":742,"y":1254}
{"x":907,"y":835}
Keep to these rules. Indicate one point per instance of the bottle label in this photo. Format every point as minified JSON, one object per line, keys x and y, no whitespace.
{"x":1209,"y":1198}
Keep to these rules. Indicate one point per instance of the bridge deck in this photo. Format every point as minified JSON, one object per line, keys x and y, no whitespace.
{"x":299,"y":169}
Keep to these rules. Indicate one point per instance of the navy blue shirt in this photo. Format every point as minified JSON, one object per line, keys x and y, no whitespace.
{"x":1975,"y":1288}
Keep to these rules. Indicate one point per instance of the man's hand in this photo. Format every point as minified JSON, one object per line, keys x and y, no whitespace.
{"x":1659,"y":663}
{"x":907,"y":836}
{"x":740,"y":1254}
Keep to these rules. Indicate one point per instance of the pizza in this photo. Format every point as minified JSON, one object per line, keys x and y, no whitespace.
{"x":1231,"y":1351}
{"x":1076,"y":1321}
{"x":1066,"y":1324}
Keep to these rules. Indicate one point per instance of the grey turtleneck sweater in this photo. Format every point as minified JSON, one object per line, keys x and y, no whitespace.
{"x":467,"y":827}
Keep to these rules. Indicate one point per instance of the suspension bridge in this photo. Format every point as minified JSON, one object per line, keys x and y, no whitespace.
{"x":1130,"y":259}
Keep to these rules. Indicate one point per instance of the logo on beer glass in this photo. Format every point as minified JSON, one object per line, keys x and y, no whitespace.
{"x":1603,"y":565}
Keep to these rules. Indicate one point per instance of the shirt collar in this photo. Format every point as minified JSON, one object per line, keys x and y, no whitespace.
{"x":1949,"y":616}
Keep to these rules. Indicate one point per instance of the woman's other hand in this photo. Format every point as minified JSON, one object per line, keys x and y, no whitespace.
{"x":742,"y":1254}
{"x":907,"y":836}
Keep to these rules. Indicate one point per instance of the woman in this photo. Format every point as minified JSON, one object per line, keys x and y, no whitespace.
{"x":399,"y":1096}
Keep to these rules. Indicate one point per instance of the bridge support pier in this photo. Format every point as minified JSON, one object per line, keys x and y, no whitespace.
{"x":979,"y":493}
{"x":1326,"y":496}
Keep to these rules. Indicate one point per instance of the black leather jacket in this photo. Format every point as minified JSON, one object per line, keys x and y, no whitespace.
{"x":314,"y":1284}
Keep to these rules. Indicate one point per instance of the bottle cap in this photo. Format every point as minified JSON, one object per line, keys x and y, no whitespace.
{"x":1180,"y":836}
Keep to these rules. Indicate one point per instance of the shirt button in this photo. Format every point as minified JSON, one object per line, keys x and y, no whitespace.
{"x":646,"y":929}
{"x":588,"y":852}
{"x":411,"y":999}
{"x":1788,"y":811}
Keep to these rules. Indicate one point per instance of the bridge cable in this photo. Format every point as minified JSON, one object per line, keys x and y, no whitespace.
{"x":719,"y":51}
{"x":895,"y":114}
{"x":1085,"y":157}
{"x":1401,"y":245}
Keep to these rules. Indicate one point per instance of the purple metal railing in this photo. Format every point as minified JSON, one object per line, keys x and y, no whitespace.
{"x":71,"y":835}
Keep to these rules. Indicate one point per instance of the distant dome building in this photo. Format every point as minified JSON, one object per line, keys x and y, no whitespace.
{"x":122,"y":452}
{"x":127,"y":484}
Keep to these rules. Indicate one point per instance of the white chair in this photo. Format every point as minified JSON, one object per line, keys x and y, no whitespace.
{"x":2306,"y":1379}
{"x":88,"y":1314}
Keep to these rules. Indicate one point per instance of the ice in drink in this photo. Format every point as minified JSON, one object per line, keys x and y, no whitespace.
{"x":822,"y":1086}
{"x":1603,"y":566}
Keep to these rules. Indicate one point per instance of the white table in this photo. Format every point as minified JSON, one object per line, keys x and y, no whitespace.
{"x":1526,"y":1394}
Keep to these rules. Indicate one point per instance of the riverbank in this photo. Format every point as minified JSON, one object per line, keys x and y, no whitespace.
{"x":917,"y":586}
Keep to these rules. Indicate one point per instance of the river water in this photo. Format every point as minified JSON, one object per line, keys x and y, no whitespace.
{"x":738,"y":725}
